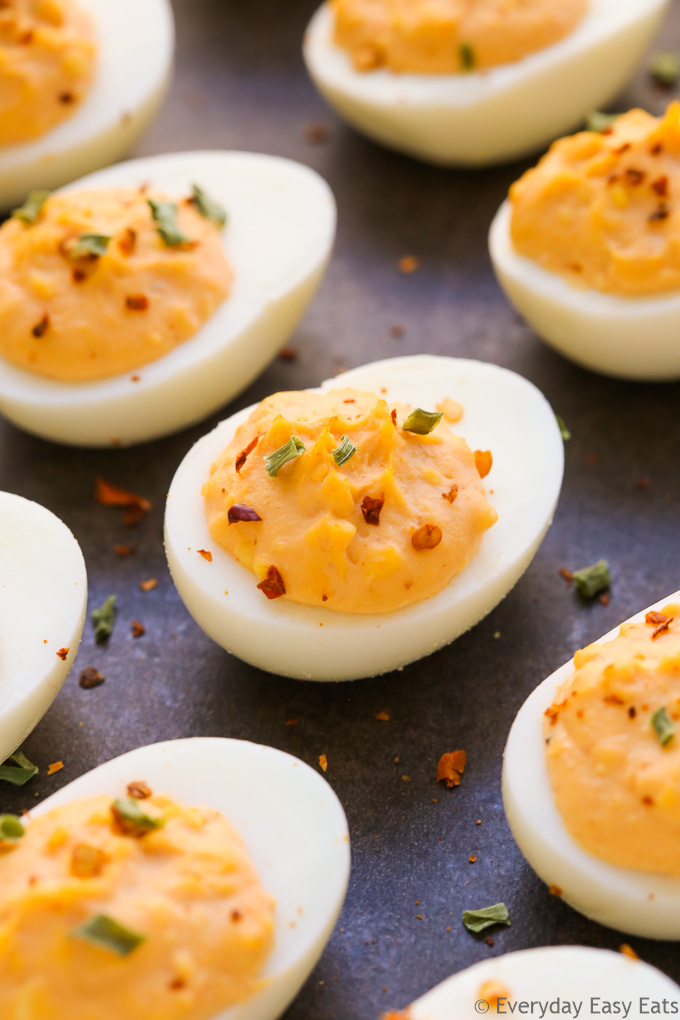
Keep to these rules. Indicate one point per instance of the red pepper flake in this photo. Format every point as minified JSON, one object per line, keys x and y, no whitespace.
{"x":472,"y":859}
{"x":138,"y":790}
{"x":240,"y":513}
{"x":109,"y":495}
{"x":654,"y":618}
{"x":127,"y":241}
{"x":613,"y":699}
{"x":408,"y":264}
{"x":90,"y":677}
{"x":26,"y":38}
{"x":124,"y":550}
{"x":566,"y":574}
{"x":78,"y":274}
{"x":622,"y":148}
{"x":632,"y":712}
{"x":371,"y":507}
{"x":553,"y":713}
{"x":138,"y":629}
{"x":316,"y":134}
{"x":660,"y":213}
{"x":323,"y":762}
{"x":56,"y":766}
{"x":137,"y":302}
{"x":63,"y":653}
{"x":393,"y":416}
{"x":66,"y":98}
{"x":244,"y":454}
{"x":427,"y":536}
{"x":292,"y":722}
{"x":634,"y":177}
{"x":206,"y":554}
{"x":383,"y":717}
{"x":483,"y":462}
{"x":660,"y":186}
{"x":628,"y":951}
{"x":288,"y":353}
{"x":451,"y":494}
{"x":397,"y":330}
{"x":604,"y":598}
{"x":41,"y":327}
{"x":643,"y":483}
{"x":148,"y":585}
{"x":451,"y":767}
{"x":272,"y":584}
{"x":555,"y":890}
{"x":662,"y":628}
{"x":656,"y":149}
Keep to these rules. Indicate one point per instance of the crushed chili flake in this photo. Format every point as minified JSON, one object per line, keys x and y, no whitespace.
{"x":63,"y":653}
{"x":239,"y":513}
{"x":483,"y":462}
{"x":566,"y":574}
{"x":323,"y":762}
{"x":635,"y":177}
{"x":555,"y":890}
{"x":397,"y":330}
{"x":138,"y":629}
{"x":127,"y":241}
{"x":316,"y":134}
{"x":643,"y":483}
{"x":78,"y":274}
{"x":245,"y":453}
{"x":149,"y":584}
{"x":662,"y":628}
{"x":613,"y":699}
{"x":124,"y":550}
{"x":137,"y":302}
{"x":138,"y":790}
{"x":628,"y":951}
{"x":206,"y":554}
{"x":553,"y":712}
{"x":288,"y":353}
{"x":654,"y":618}
{"x":408,"y":264}
{"x":66,"y":98}
{"x":136,"y":507}
{"x":659,"y":214}
{"x":90,"y":677}
{"x":427,"y":536}
{"x":371,"y":507}
{"x":291,"y":722}
{"x":383,"y":716}
{"x":604,"y":598}
{"x":660,"y":186}
{"x":451,"y":767}
{"x":41,"y":327}
{"x":393,"y":416}
{"x":272,"y":584}
{"x":632,"y":712}
{"x":56,"y":766}
{"x":472,"y":859}
{"x":656,"y":149}
{"x":451,"y":494}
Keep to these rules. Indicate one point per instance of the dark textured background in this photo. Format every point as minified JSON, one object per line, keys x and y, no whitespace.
{"x":241,"y":84}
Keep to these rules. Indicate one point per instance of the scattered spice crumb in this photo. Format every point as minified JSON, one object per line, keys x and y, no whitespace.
{"x":206,"y":554}
{"x":138,"y":629}
{"x":451,"y":767}
{"x":56,"y":766}
{"x":288,"y":353}
{"x":383,"y":716}
{"x":316,"y":134}
{"x":604,"y":598}
{"x":472,"y":859}
{"x":138,"y":790}
{"x":555,"y":890}
{"x":407,"y":779}
{"x":397,"y":330}
{"x":642,"y":483}
{"x":566,"y":574}
{"x":409,"y":264}
{"x":323,"y":762}
{"x":136,"y":507}
{"x":41,"y":327}
{"x":90,"y":677}
{"x":149,"y":584}
{"x":291,"y":722}
{"x":124,"y":550}
{"x":489,"y":941}
{"x":63,"y":653}
{"x":628,"y":951}
{"x":483,"y":462}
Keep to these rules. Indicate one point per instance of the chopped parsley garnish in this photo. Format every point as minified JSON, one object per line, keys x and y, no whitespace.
{"x":11,"y":828}
{"x":342,"y":453}
{"x":590,"y":581}
{"x":467,"y":56}
{"x":30,"y":210}
{"x":289,"y":451}
{"x":132,"y":820}
{"x":105,"y":932}
{"x":564,"y":431}
{"x":208,"y":207}
{"x":664,"y":68}
{"x":422,"y":422}
{"x":104,"y":619}
{"x":664,"y":727}
{"x":598,"y":122}
{"x":20,"y":771}
{"x":479,"y":920}
{"x":165,"y":217}
{"x":90,"y":246}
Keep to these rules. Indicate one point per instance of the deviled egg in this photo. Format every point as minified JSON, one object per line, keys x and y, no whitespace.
{"x":195,"y":879}
{"x":474,"y":82}
{"x":590,"y":777}
{"x":345,"y":531}
{"x":80,"y":80}
{"x":138,"y":300}
{"x":586,"y":246}
{"x":560,"y":980}
{"x":43,"y":595}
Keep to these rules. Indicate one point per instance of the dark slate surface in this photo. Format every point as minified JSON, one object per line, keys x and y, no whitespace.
{"x":241,"y":84}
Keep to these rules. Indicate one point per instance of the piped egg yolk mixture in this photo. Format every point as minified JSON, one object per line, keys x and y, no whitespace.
{"x":341,"y":500}
{"x":602,"y":210}
{"x":613,"y":747}
{"x":97,"y":283}
{"x":47,"y":62}
{"x":144,"y":909}
{"x":450,"y":36}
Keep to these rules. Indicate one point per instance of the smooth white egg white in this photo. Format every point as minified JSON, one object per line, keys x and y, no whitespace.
{"x":630,"y":901}
{"x":496,"y":115}
{"x":553,"y":976}
{"x":278,"y":238}
{"x":293,"y":826}
{"x":631,"y":338}
{"x":135,"y":50}
{"x":503,"y":413}
{"x":43,"y":595}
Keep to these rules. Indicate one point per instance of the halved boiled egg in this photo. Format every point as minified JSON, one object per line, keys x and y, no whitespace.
{"x":197,"y":877}
{"x":43,"y":595}
{"x":590,"y":777}
{"x":105,"y":65}
{"x":485,"y":114}
{"x":560,"y":980}
{"x":130,"y":309}
{"x":379,"y":512}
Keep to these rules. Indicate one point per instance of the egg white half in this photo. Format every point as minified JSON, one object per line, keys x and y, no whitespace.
{"x":630,"y":338}
{"x":293,"y":826}
{"x":570,"y":974}
{"x":43,"y":595}
{"x":278,"y":238}
{"x":630,"y":901}
{"x":135,"y":40}
{"x":491,"y":116}
{"x":503,"y":413}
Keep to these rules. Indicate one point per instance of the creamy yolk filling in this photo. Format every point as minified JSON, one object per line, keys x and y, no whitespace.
{"x":611,"y":750}
{"x":602,"y":209}
{"x":387,"y":526}
{"x":450,"y":36}
{"x":197,"y":925}
{"x":47,"y":61}
{"x":71,"y":314}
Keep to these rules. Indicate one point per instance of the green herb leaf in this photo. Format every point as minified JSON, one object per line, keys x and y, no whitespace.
{"x":104,"y":619}
{"x":165,"y":217}
{"x":467,"y":56}
{"x":422,"y":422}
{"x":479,"y":920}
{"x":11,"y":828}
{"x":20,"y":772}
{"x":89,"y":246}
{"x":564,"y":431}
{"x":342,"y":453}
{"x":208,"y":207}
{"x":289,"y":451}
{"x":664,"y":727}
{"x":30,"y":210}
{"x":664,"y":68}
{"x":132,"y":819}
{"x":590,"y":581}
{"x":598,"y":122}
{"x":106,"y":933}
